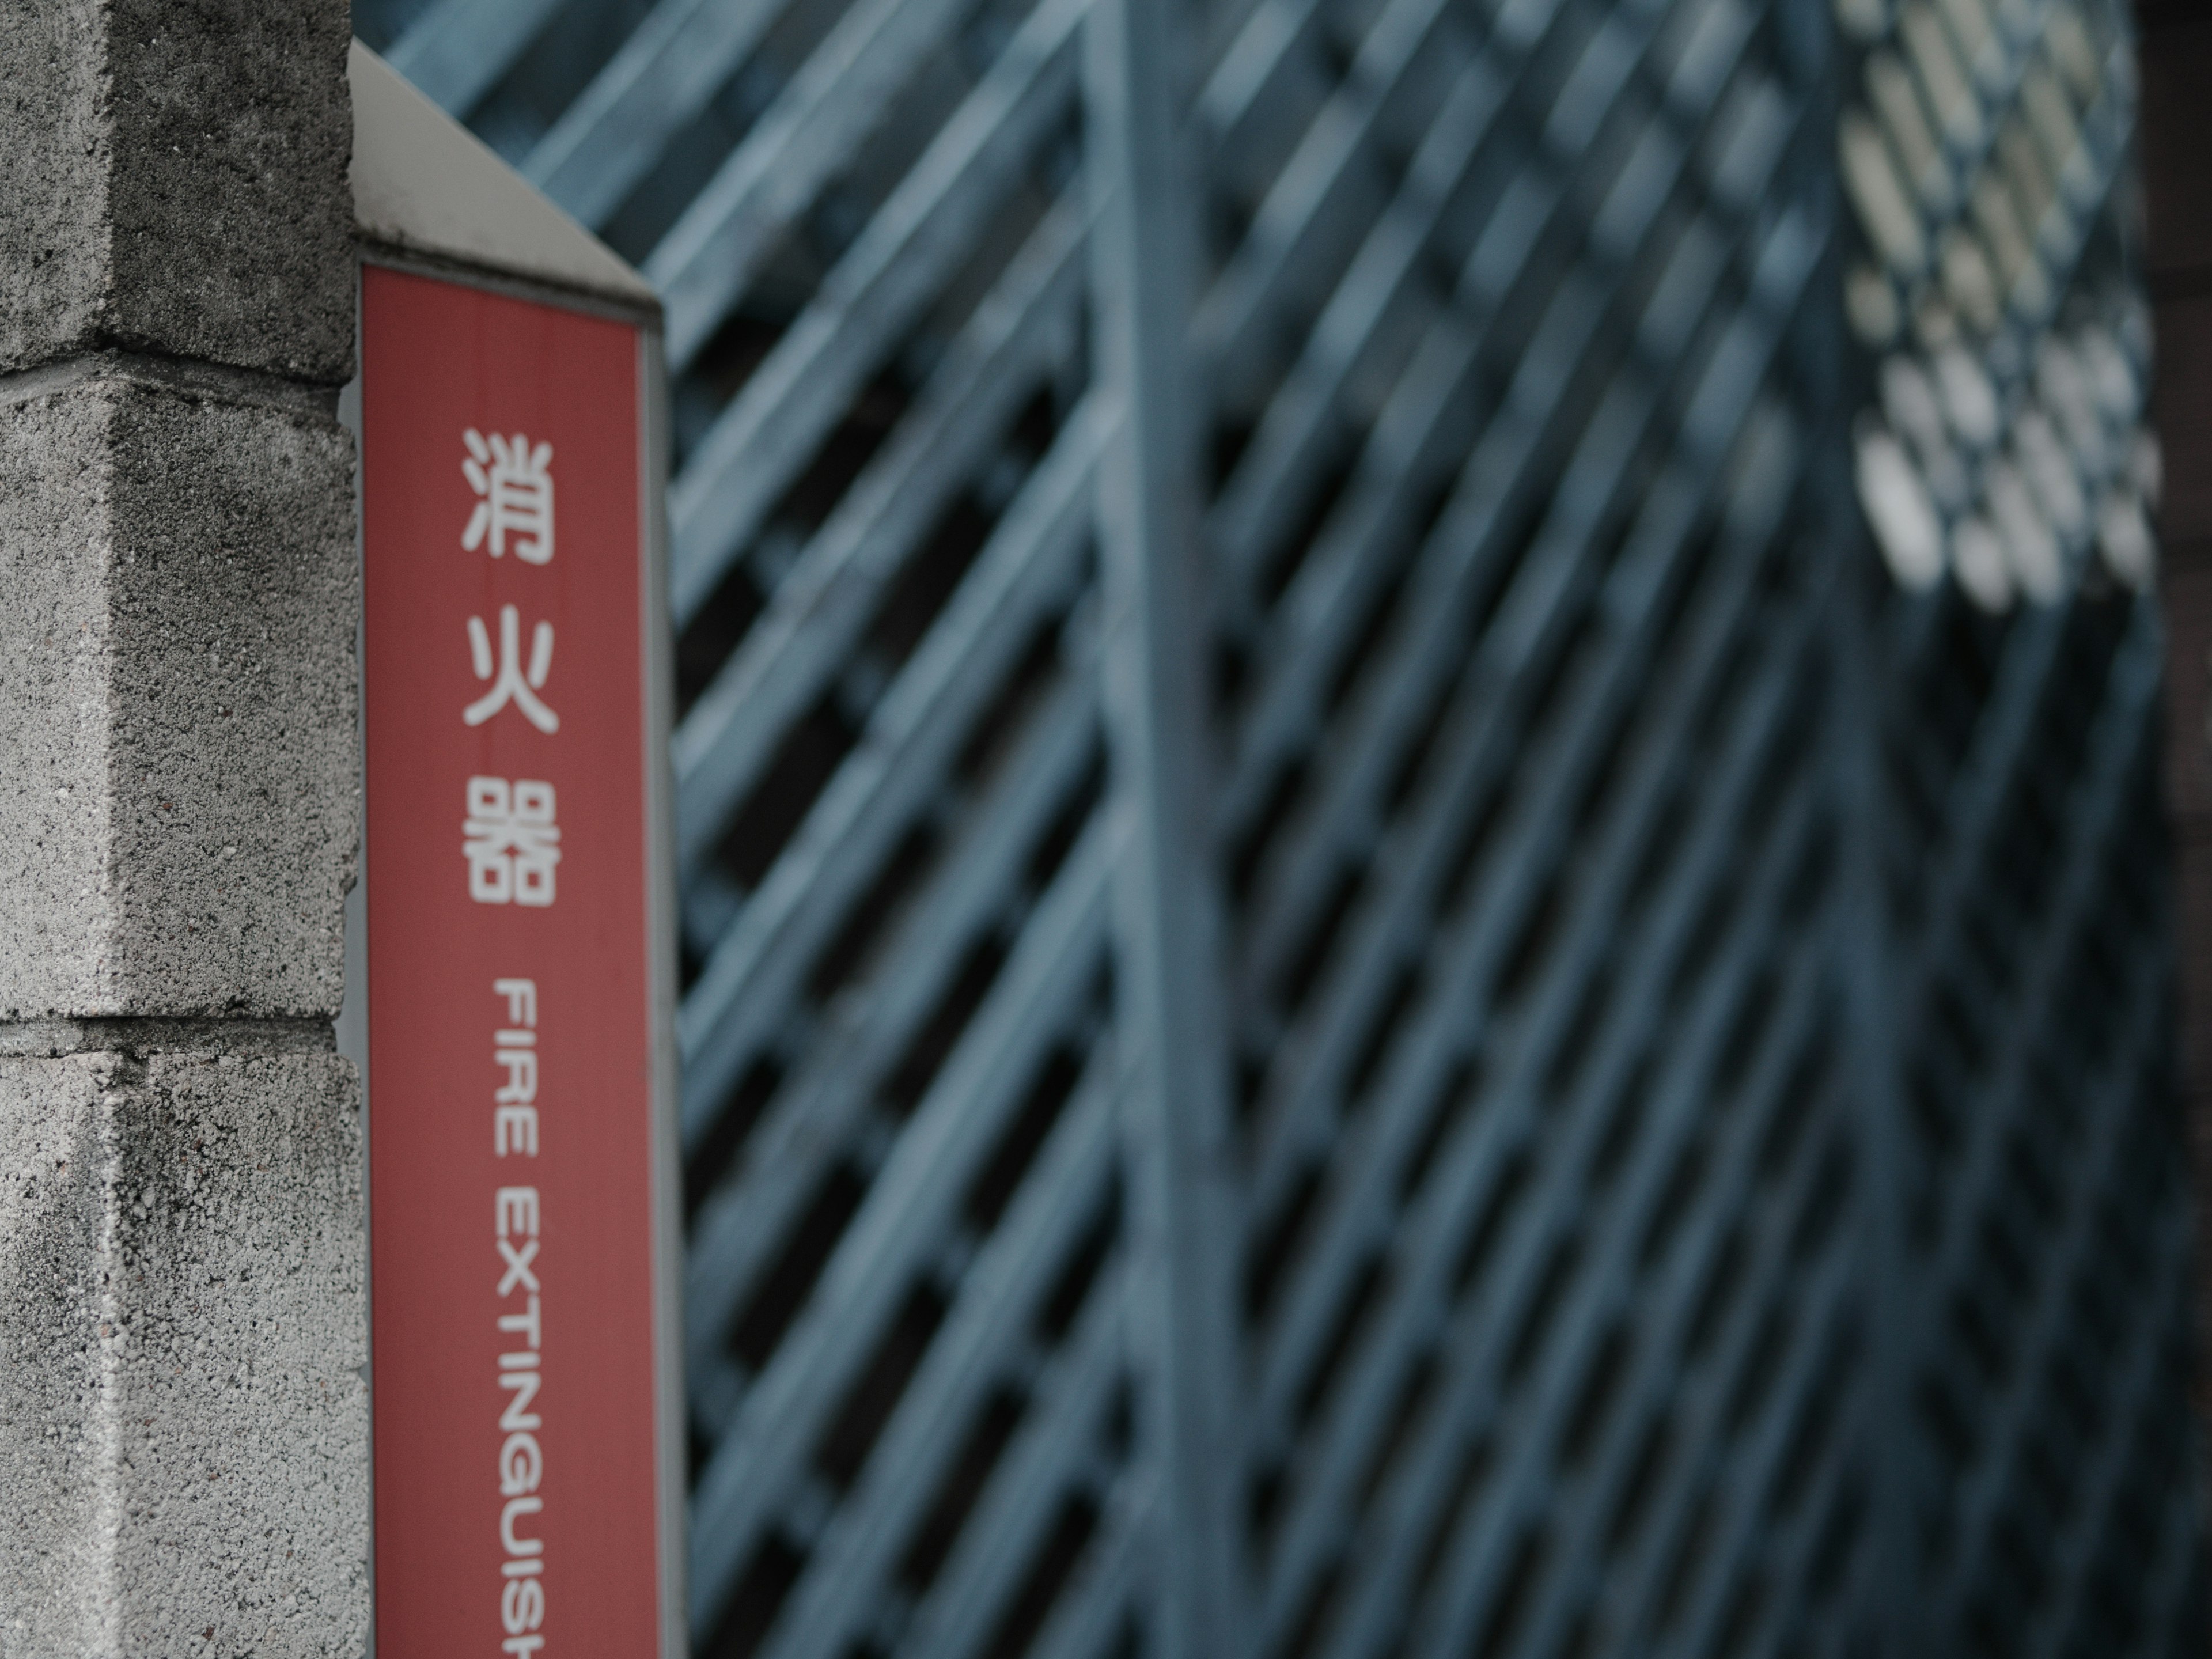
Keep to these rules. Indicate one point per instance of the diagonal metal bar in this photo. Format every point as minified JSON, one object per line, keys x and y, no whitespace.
{"x":821,"y":1112}
{"x":1479,"y":1560}
{"x":1487,"y":1150}
{"x":825,"y":602}
{"x":1021,"y":573}
{"x":1054,"y":1454}
{"x":1536,"y":835}
{"x":827,"y":1106}
{"x":1091,"y":1618}
{"x":1482,"y":1328}
{"x":983,"y":1337}
{"x":756,"y":445}
{"x":1411,"y":1079}
{"x":1543,"y":586}
{"x":1323,"y":203}
{"x":457,"y":50}
{"x":803,"y":141}
{"x":663,"y":77}
{"x":2125,"y":739}
{"x":908,"y":1208}
{"x":2137,"y":1395}
{"x":1477,"y":1325}
{"x":2113,"y":1115}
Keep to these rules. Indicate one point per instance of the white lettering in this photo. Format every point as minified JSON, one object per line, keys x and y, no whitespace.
{"x":522,"y":1605}
{"x":516,"y":1212}
{"x":514,"y":1129}
{"x":525,"y":1385}
{"x":521,"y":1067}
{"x":512,"y":683}
{"x":526,"y":1323}
{"x":520,"y":1465}
{"x":521,"y":996}
{"x":518,"y":1267}
{"x":513,"y":482}
{"x":512,"y":847}
{"x":516,"y":1508}
{"x":518,"y":1206}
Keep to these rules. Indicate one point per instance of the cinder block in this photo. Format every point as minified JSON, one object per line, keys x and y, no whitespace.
{"x":179,"y":814}
{"x":176,"y":182}
{"x":183,"y":1411}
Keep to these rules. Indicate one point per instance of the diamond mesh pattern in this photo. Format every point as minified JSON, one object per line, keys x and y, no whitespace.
{"x":2042,"y":1284}
{"x":2041,"y":1198}
{"x":1547,"y":1295}
{"x":1693,"y":1008}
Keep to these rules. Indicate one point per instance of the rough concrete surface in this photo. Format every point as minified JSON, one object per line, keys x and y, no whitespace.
{"x":183,"y":1415}
{"x":179,"y":811}
{"x":53,"y":637}
{"x":184,"y":1426}
{"x":177,"y":182}
{"x":53,"y":198}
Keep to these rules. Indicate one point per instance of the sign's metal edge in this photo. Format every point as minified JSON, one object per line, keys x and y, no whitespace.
{"x":450,"y":268}
{"x":657,"y":656}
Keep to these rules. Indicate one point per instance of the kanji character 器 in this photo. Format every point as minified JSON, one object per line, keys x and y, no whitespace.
{"x":510,"y":841}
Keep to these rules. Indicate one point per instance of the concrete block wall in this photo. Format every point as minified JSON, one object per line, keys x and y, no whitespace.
{"x":183,"y":1405}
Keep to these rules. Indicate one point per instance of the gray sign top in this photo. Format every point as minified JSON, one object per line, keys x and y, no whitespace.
{"x":425,"y":184}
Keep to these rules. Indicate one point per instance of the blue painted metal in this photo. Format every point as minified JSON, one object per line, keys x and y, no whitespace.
{"x":1356,"y":981}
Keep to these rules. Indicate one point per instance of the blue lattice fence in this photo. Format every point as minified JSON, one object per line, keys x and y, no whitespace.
{"x":1358,"y":982}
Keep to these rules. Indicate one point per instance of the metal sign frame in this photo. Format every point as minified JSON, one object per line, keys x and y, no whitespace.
{"x":431,"y":200}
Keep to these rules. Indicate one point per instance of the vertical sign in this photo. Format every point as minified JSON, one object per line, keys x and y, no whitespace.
{"x":510,"y":1031}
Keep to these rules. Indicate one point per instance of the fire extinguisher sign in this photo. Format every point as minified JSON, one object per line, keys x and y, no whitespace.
{"x":516,"y":1008}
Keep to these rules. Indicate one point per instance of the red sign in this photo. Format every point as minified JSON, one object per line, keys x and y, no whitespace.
{"x":510,"y":1029}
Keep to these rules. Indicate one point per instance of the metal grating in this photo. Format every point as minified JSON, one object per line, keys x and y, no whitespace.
{"x":2044,"y":1280}
{"x":1354,"y":984}
{"x":2039,"y":1290}
{"x":1547,"y":1292}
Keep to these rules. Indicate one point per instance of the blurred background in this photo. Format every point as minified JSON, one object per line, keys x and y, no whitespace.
{"x":1425,"y":891}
